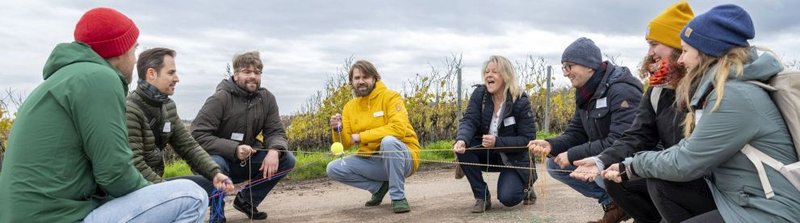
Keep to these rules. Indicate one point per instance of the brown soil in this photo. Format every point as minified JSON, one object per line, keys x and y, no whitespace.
{"x":434,"y":196}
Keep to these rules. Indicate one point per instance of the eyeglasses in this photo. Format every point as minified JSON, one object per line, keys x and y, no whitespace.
{"x":250,"y":72}
{"x":566,"y":67}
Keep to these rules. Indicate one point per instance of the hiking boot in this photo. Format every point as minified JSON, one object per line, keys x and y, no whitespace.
{"x":377,"y":197}
{"x":530,"y":197}
{"x":482,"y":205}
{"x":613,"y":214}
{"x":400,"y":206}
{"x":248,"y":209}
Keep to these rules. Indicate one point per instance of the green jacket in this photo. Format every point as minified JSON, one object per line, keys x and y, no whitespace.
{"x":68,"y":147}
{"x":146,"y":156}
{"x":746,"y":115}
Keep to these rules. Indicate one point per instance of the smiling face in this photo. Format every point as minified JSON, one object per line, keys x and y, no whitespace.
{"x":690,"y":57}
{"x":166,"y":78}
{"x":362,"y":84}
{"x":577,"y":74}
{"x":659,"y":51}
{"x":248,"y":78}
{"x":492,"y":78}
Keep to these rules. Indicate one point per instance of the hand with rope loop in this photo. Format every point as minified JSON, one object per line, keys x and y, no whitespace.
{"x":539,"y":147}
{"x":243,"y":152}
{"x":612,"y":173}
{"x":488,"y":141}
{"x":459,"y":147}
{"x":222,"y":182}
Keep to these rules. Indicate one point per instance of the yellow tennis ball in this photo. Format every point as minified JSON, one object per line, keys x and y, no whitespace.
{"x":337,"y":148}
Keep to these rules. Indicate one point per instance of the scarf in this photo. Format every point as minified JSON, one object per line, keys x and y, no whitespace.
{"x":151,"y":91}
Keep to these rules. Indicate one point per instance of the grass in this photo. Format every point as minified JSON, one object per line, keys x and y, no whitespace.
{"x":177,"y":168}
{"x":319,"y":161}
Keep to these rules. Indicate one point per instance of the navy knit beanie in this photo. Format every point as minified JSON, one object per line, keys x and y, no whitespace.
{"x":718,"y":30}
{"x":583,"y":52}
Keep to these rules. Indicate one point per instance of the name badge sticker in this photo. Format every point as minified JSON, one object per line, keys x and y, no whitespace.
{"x":509,"y":121}
{"x":377,"y":114}
{"x":237,"y":136}
{"x":601,"y":103}
{"x":167,"y":127}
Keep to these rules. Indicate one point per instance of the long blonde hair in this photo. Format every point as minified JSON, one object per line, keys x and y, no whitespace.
{"x":733,"y":59}
{"x":508,"y":74}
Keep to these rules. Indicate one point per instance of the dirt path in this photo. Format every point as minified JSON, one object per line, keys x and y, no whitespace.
{"x":434,"y":196}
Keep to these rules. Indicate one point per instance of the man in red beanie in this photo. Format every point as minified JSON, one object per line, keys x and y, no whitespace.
{"x":68,"y":156}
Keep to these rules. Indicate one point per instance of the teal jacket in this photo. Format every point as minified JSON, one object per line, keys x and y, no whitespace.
{"x":68,"y":149}
{"x":746,"y":115}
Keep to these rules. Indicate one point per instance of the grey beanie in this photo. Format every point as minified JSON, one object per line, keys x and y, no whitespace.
{"x":583,"y":52}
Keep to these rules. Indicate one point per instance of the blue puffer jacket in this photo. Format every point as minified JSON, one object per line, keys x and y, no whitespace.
{"x":608,"y":114}
{"x":516,"y":126}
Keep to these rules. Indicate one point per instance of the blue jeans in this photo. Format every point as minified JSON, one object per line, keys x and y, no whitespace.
{"x":170,"y":201}
{"x":369,"y":173}
{"x":510,"y":185}
{"x":250,"y":171}
{"x":588,"y":189}
{"x":201,"y":181}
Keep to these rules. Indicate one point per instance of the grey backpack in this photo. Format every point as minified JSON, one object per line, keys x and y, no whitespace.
{"x":784,"y":89}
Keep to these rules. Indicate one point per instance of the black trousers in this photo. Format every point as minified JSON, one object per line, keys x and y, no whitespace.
{"x":633,"y":197}
{"x":679,"y":201}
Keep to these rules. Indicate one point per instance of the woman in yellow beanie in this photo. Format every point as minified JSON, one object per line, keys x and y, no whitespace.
{"x":650,"y":200}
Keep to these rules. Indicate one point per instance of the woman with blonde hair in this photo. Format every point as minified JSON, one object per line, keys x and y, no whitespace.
{"x":724,"y":113}
{"x":498,"y":115}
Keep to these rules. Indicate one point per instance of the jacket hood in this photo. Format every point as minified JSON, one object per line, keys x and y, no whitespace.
{"x":760,"y":66}
{"x":65,"y":54}
{"x":230,"y":86}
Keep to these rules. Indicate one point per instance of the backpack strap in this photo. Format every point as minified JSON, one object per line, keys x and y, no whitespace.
{"x":757,"y":157}
{"x":655,"y":96}
{"x":153,"y":124}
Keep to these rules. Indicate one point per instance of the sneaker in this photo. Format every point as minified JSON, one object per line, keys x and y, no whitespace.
{"x":530,"y":197}
{"x":613,"y":214}
{"x":482,"y":205}
{"x":377,"y":197}
{"x":248,"y":209}
{"x":400,"y":206}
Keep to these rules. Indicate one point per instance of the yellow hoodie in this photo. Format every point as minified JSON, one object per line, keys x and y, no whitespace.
{"x":381,"y":113}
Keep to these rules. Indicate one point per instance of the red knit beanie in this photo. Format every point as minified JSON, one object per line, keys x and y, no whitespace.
{"x":107,"y":31}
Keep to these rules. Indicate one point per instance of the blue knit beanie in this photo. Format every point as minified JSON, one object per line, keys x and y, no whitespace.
{"x":718,"y":30}
{"x":583,"y":52}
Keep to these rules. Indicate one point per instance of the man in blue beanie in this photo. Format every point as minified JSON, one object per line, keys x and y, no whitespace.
{"x":606,"y":97}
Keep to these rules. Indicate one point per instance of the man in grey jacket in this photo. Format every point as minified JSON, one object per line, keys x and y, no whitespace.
{"x":228,"y":125}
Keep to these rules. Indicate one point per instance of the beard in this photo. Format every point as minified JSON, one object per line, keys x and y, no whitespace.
{"x":363,"y":90}
{"x":251,"y":86}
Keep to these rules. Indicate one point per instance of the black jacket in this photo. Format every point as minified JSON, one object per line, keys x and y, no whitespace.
{"x":234,"y":116}
{"x":650,"y":130}
{"x":595,"y":128}
{"x":518,"y":132}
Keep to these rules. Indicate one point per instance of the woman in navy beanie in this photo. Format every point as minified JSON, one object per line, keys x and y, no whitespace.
{"x":724,"y":113}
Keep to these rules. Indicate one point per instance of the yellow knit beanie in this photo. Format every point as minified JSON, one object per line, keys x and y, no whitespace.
{"x":666,"y":27}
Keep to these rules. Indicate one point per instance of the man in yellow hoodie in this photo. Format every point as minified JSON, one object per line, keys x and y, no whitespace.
{"x":376,"y":122}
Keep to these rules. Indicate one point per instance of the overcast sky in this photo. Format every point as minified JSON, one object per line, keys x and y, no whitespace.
{"x":303,"y":42}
